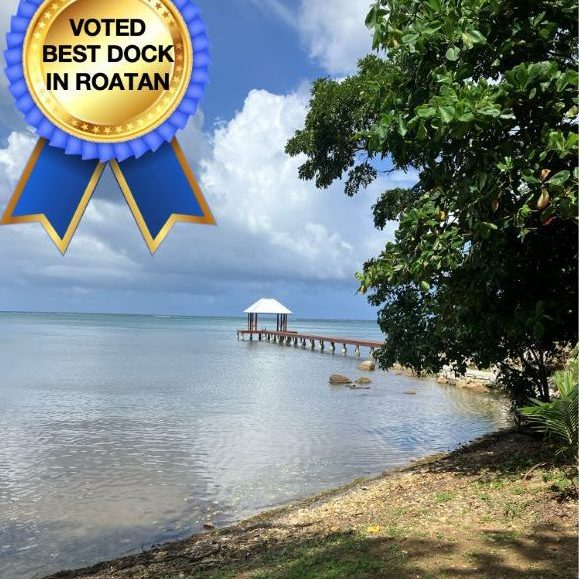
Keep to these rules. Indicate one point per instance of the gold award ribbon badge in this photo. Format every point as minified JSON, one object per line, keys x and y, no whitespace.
{"x":107,"y":81}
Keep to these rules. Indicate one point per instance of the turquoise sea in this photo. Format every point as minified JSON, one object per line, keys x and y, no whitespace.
{"x":120,"y":432}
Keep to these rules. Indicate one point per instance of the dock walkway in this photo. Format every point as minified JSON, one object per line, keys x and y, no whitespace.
{"x":304,"y":340}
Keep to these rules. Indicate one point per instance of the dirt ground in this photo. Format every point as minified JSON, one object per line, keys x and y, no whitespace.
{"x":495,"y":508}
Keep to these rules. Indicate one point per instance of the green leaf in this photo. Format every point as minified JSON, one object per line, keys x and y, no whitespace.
{"x":453,"y":53}
{"x":402,"y":130}
{"x":466,"y":118}
{"x":410,"y":38}
{"x":425,"y":112}
{"x":559,"y":178}
{"x":528,"y":176}
{"x":506,"y":164}
{"x":375,"y":15}
{"x":447,"y":113}
{"x":485,"y":228}
{"x":474,"y":37}
{"x":490,"y":111}
{"x":424,"y":286}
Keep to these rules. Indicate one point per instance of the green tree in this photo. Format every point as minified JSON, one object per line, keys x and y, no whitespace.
{"x":479,"y":97}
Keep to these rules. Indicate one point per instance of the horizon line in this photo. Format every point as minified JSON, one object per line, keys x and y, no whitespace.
{"x":153,"y":315}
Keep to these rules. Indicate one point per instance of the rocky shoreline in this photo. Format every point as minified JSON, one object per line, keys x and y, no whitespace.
{"x":482,"y":381}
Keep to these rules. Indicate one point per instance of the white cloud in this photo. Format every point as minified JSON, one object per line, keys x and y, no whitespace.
{"x":271,"y":226}
{"x":275,"y":233}
{"x":12,"y":161}
{"x":278,"y":9}
{"x":8,"y":8}
{"x":10,"y":118}
{"x":257,"y":193}
{"x":335,"y":32}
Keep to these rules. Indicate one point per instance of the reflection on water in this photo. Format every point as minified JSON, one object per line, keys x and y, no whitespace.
{"x":119,"y":432}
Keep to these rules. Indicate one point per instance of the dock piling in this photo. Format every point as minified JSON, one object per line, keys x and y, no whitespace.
{"x":295,"y":339}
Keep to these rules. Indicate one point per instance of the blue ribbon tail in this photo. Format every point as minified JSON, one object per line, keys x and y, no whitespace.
{"x":161,"y":190}
{"x":54,"y":190}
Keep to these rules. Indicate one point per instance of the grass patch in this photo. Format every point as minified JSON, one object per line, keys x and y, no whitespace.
{"x":334,"y":557}
{"x":564,"y":484}
{"x":445,"y":497}
{"x":514,"y":510}
{"x":503,"y":537}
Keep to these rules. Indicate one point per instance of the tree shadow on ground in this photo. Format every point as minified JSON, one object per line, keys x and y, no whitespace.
{"x":541,"y":554}
{"x":347,"y":555}
{"x":504,"y":453}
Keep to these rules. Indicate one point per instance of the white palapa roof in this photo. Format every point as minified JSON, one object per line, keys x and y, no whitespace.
{"x":267,"y":306}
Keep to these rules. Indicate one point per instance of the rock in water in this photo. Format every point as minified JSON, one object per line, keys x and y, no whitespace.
{"x":367,"y":366}
{"x":208,"y":525}
{"x":363,"y":381}
{"x":337,"y":379}
{"x":410,"y":392}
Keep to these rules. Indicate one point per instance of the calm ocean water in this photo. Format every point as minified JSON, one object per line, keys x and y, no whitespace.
{"x":119,"y":432}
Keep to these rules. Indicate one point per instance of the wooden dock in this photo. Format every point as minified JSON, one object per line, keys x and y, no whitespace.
{"x":307,"y":340}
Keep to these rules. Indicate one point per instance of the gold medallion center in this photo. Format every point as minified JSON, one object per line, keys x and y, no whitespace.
{"x":107,"y":70}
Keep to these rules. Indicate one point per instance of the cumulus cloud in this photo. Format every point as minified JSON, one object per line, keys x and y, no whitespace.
{"x":272,"y":228}
{"x":275,"y":233}
{"x":278,"y":9}
{"x":7,"y":9}
{"x":12,"y":160}
{"x":10,"y":119}
{"x":258,"y":195}
{"x":333,"y":33}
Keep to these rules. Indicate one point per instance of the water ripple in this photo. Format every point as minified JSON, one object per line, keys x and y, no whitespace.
{"x":120,"y":431}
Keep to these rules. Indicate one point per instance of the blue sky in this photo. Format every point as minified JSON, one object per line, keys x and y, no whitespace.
{"x":276,"y":236}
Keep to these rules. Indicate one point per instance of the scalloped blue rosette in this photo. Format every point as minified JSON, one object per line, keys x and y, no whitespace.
{"x":151,"y":170}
